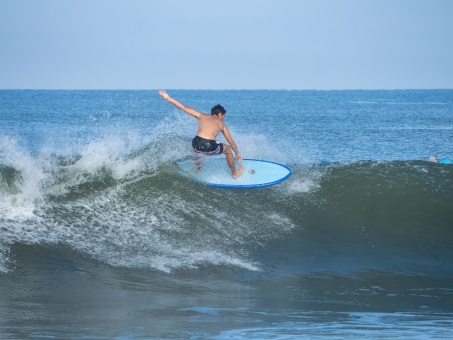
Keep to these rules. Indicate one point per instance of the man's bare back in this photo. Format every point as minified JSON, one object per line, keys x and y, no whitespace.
{"x":209,"y":126}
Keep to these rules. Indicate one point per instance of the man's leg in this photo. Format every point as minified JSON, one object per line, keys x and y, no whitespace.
{"x":230,"y":160}
{"x":197,"y":165}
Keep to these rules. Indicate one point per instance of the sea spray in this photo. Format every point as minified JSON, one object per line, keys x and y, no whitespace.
{"x":122,"y":203}
{"x":21,"y":179}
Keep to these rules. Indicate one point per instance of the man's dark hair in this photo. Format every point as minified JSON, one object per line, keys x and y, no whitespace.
{"x":218,"y":109}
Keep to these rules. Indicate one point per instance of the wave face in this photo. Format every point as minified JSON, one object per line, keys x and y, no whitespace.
{"x":123,"y":208}
{"x":132,"y":209}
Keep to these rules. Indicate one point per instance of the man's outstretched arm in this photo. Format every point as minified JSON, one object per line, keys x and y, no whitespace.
{"x":186,"y":109}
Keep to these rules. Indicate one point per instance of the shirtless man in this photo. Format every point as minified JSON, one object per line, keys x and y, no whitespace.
{"x":209,"y":126}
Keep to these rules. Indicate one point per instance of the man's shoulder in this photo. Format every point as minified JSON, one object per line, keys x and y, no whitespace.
{"x":204,"y":116}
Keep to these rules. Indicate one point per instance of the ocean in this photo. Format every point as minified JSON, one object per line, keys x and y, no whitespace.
{"x":102,"y":238}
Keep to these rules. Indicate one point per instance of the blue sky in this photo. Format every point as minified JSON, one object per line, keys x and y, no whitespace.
{"x":226,"y":44}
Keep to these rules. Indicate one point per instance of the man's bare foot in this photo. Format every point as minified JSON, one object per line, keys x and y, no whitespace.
{"x":239,"y":172}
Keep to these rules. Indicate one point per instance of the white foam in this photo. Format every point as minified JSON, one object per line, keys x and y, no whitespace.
{"x":127,"y":224}
{"x":28,"y":184}
{"x":301,"y":185}
{"x":4,"y":252}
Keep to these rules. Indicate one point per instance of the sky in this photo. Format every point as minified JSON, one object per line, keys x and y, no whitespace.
{"x":226,"y":44}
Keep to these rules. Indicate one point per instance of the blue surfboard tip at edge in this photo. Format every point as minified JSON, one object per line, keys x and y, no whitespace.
{"x":446,"y":161}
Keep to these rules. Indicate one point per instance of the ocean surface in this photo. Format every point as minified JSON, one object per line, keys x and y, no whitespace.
{"x":101,"y":238}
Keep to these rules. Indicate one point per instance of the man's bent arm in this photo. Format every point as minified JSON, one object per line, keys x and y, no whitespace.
{"x":231,"y":142}
{"x":186,"y":109}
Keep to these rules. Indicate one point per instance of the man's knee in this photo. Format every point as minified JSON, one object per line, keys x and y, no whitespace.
{"x":226,"y":148}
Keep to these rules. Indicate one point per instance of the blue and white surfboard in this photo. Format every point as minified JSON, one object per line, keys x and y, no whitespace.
{"x":216,"y":173}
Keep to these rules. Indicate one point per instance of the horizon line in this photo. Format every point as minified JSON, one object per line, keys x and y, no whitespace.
{"x":225,"y":89}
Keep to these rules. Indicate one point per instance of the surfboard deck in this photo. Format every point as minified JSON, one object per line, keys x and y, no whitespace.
{"x":216,"y":173}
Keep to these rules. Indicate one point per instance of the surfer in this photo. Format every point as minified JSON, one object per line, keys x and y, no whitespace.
{"x":209,"y":126}
{"x":442,"y":161}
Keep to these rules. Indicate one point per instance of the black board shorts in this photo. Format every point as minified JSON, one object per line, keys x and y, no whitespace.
{"x":205,"y":146}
